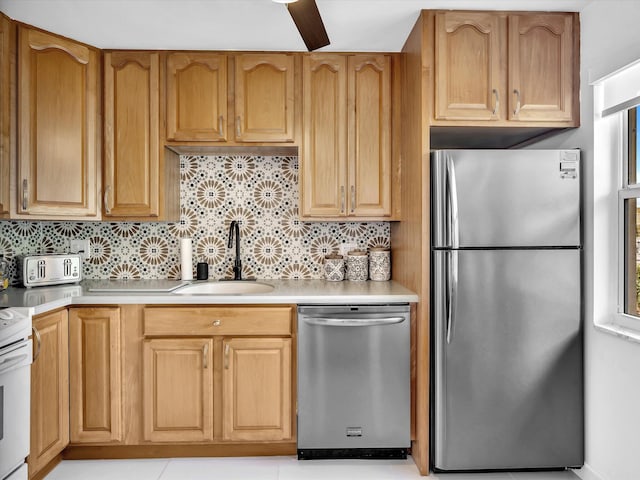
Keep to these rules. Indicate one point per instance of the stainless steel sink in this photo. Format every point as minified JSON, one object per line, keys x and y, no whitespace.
{"x":224,"y":288}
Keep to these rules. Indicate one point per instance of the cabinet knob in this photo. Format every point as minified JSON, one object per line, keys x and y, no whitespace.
{"x":217,"y":323}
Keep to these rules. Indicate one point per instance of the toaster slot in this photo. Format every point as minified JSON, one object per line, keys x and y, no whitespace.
{"x":42,"y":268}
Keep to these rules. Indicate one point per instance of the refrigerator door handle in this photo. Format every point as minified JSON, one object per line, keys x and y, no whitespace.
{"x":454,"y":230}
{"x":452,"y":284}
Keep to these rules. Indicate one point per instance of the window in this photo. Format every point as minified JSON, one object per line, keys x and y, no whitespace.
{"x":630,"y":214}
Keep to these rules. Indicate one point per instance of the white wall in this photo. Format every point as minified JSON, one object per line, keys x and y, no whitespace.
{"x":610,"y":40}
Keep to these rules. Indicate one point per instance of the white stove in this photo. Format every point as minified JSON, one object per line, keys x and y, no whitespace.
{"x":15,"y":393}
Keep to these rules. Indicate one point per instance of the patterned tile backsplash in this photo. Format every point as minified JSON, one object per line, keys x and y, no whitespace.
{"x":260,"y":191}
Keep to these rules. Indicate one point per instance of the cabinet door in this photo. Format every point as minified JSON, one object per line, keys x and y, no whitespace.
{"x":58,"y":126}
{"x":369,"y":102}
{"x":323,"y":169}
{"x":7,"y":87}
{"x":178,"y":390}
{"x":131,"y":134}
{"x":469,"y":64}
{"x":264,"y":98}
{"x":196,"y":96}
{"x":541,"y":67}
{"x":49,"y":390}
{"x":94,"y":363}
{"x":256,"y":387}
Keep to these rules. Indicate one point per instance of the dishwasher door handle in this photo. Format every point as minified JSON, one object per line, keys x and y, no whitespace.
{"x":351,"y":322}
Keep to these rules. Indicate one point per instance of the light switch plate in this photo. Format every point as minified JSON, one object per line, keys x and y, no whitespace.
{"x":83,"y":247}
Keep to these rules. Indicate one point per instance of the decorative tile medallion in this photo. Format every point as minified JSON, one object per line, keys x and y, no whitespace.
{"x":261,"y":192}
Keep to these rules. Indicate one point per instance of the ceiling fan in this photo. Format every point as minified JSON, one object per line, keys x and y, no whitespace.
{"x":307,"y":18}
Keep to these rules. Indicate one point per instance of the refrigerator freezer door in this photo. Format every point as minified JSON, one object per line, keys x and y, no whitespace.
{"x":506,"y":198}
{"x":508,"y":380}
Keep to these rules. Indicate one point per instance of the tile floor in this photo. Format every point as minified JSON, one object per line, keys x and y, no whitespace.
{"x":267,"y":468}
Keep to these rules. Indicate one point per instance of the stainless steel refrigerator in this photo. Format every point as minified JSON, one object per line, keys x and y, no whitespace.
{"x":507,"y":366}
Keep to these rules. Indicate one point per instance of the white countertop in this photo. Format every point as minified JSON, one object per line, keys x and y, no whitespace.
{"x":44,"y":299}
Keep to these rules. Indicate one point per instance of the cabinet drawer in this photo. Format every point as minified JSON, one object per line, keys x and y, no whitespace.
{"x":208,"y":321}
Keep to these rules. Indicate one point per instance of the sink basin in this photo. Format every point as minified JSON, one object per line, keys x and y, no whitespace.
{"x":224,"y":288}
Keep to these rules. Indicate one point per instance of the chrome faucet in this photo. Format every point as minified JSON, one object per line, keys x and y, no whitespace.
{"x":234,"y":230}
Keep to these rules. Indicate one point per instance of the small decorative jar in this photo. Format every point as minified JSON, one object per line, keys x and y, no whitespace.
{"x":334,"y":268}
{"x":357,"y":266}
{"x":380,"y":264}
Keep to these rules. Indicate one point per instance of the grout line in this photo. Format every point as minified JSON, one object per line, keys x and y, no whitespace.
{"x":164,"y":468}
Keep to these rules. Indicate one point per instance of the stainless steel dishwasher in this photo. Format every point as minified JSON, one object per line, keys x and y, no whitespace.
{"x":353,"y":381}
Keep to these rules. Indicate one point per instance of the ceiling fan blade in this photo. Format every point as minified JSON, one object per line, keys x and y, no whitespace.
{"x":307,"y":18}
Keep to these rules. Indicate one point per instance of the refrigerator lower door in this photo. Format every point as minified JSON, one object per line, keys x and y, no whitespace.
{"x":507,"y":360}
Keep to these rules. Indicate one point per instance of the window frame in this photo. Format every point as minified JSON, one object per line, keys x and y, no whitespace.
{"x":626,"y":191}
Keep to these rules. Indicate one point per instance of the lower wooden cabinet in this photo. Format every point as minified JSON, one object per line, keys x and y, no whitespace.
{"x":49,"y":390}
{"x":178,"y":390}
{"x":217,"y":374}
{"x":256,"y":389}
{"x":95,"y":379}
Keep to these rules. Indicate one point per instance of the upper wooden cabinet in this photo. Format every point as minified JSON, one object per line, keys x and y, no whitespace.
{"x":196,"y":96}
{"x":7,"y":92}
{"x":95,"y":384}
{"x":58,"y":127}
{"x":469,"y":56}
{"x":346,"y":163}
{"x":505,"y":68}
{"x":231,"y":99}
{"x":264,"y":98}
{"x":140,"y":182}
{"x":49,"y":390}
{"x":542,"y":67}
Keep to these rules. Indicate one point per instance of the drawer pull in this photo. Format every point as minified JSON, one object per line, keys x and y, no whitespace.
{"x":226,"y":356}
{"x":517,"y":110}
{"x":217,"y":323}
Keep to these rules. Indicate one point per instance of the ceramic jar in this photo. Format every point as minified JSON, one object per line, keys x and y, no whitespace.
{"x":334,"y":268}
{"x":357,"y":266}
{"x":380,"y":264}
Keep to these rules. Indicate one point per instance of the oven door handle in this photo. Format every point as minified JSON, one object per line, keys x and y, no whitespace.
{"x":351,"y":322}
{"x":10,"y":362}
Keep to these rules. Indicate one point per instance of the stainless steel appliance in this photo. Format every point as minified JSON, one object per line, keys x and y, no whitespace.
{"x":353,"y":381}
{"x":50,"y":269}
{"x":15,"y":381}
{"x":507,"y":310}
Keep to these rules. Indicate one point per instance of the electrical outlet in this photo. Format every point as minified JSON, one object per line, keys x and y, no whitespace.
{"x":347,"y":247}
{"x":83,"y":247}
